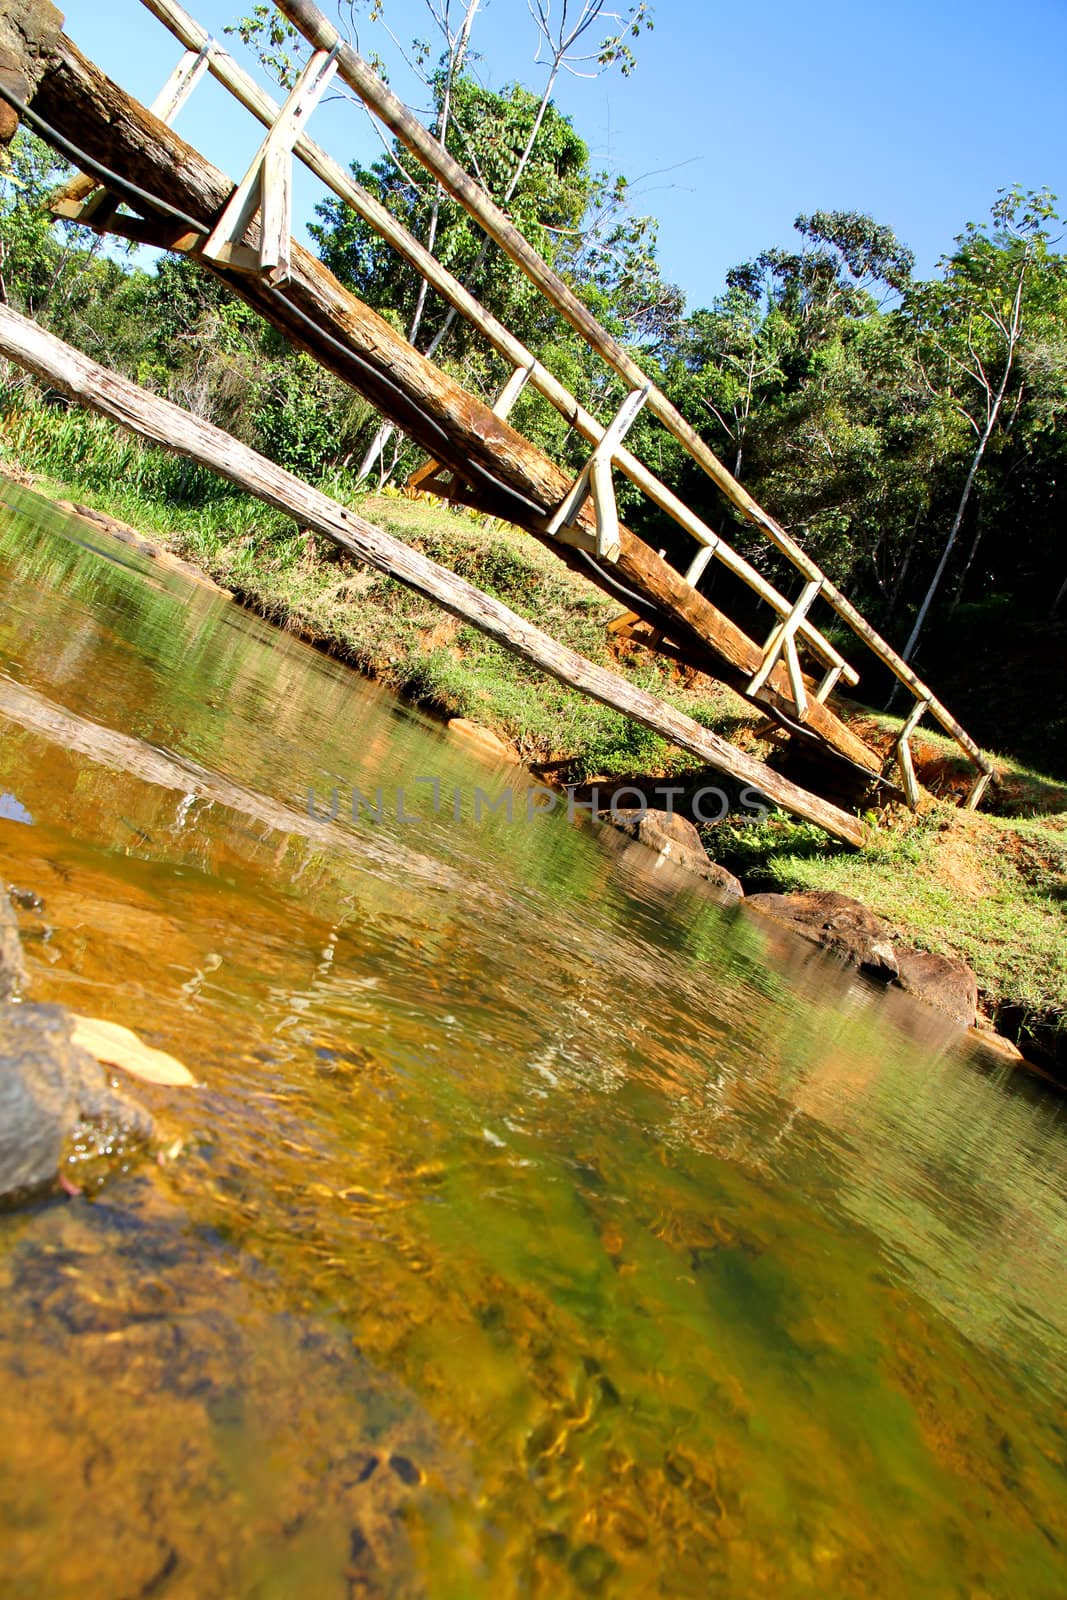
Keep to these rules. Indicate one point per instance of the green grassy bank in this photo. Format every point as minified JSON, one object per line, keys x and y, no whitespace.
{"x":990,"y":887}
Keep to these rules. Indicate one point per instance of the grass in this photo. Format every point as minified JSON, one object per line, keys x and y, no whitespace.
{"x":989,"y":887}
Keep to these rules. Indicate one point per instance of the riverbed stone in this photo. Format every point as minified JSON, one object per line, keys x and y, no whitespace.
{"x":838,"y":923}
{"x":12,"y":966}
{"x":676,"y":839}
{"x":846,"y":927}
{"x":942,"y":981}
{"x":53,"y":1096}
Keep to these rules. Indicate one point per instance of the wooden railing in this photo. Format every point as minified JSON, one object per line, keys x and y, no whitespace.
{"x":793,"y":620}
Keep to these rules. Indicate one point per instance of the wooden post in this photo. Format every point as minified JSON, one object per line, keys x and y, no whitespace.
{"x":903,"y":749}
{"x":505,"y":400}
{"x":428,"y":475}
{"x":180,"y":85}
{"x":165,"y":424}
{"x":828,"y":685}
{"x":783,"y":641}
{"x":601,"y":459}
{"x":76,"y":199}
{"x":696,"y":568}
{"x":267,"y":185}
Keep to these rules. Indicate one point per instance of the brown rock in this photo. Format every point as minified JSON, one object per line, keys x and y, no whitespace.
{"x":838,"y":923}
{"x":490,"y":743}
{"x":677,"y":840}
{"x":942,"y":981}
{"x":12,"y":966}
{"x":53,"y":1093}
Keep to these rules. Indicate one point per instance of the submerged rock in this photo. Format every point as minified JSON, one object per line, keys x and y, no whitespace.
{"x":676,"y":839}
{"x":838,"y":923}
{"x":54,"y":1096}
{"x":847,"y":928}
{"x":942,"y":981}
{"x":12,"y":966}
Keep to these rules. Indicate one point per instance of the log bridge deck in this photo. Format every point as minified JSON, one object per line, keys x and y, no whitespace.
{"x":142,"y":182}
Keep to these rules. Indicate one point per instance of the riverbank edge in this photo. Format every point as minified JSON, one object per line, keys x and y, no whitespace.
{"x":1009,"y":1026}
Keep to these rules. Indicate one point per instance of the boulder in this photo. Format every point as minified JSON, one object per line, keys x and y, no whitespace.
{"x":942,"y":981}
{"x":12,"y":966}
{"x":838,"y":923}
{"x":851,"y":931}
{"x":676,"y":839}
{"x":54,"y":1097}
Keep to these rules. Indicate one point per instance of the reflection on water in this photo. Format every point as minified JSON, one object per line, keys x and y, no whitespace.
{"x":541,"y":1226}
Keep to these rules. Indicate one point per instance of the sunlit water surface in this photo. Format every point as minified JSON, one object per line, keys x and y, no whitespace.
{"x":540,"y":1226}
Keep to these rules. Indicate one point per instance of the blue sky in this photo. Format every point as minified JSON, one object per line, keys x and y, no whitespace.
{"x":737,"y":117}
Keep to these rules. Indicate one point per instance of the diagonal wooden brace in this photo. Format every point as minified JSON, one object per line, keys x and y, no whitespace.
{"x":782,"y":642}
{"x":903,"y":751}
{"x":505,"y":400}
{"x":267,"y":185}
{"x":595,"y":476}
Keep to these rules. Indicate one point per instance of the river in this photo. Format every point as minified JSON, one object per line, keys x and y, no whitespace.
{"x":539,"y":1226}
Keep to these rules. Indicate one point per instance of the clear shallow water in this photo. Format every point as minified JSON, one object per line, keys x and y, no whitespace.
{"x":539,"y":1227}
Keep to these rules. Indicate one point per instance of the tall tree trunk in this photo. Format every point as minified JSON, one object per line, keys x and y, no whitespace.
{"x":992,"y":413}
{"x":953,"y":533}
{"x":967,"y":565}
{"x":456,"y":55}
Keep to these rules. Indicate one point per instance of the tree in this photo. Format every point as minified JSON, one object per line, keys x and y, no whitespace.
{"x":968,"y":328}
{"x":565,"y":43}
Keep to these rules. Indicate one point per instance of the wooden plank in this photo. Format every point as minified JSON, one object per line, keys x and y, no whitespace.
{"x":318,"y":29}
{"x":262,"y":106}
{"x":602,"y":457}
{"x":505,"y":474}
{"x":180,"y":85}
{"x":903,"y":749}
{"x":165,"y":424}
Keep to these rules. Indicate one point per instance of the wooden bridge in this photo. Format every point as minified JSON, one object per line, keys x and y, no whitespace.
{"x":141,"y":181}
